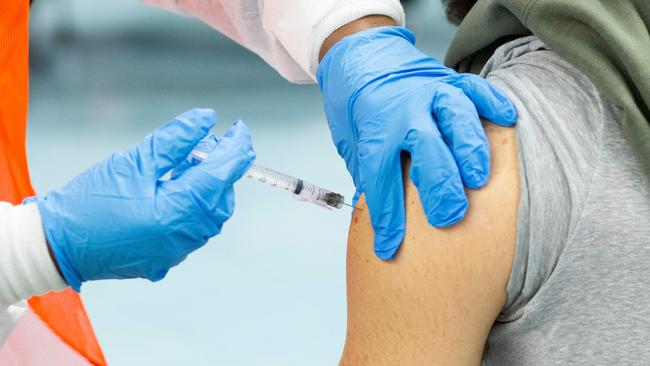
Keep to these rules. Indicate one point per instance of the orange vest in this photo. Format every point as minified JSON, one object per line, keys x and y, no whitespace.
{"x":63,"y":312}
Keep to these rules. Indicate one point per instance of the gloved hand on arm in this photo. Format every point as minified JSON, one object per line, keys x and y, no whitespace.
{"x":120,"y":220}
{"x":383,"y":96}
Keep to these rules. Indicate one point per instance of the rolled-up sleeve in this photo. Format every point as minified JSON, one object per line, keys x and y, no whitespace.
{"x":287,"y":34}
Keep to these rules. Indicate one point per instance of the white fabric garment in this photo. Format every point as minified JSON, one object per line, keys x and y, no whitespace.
{"x":287,"y":34}
{"x":26,"y":268}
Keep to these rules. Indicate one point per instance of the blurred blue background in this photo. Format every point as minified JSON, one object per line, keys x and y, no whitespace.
{"x":270,"y":290}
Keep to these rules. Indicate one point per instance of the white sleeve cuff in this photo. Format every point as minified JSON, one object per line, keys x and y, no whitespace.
{"x":288,"y":34}
{"x":347,"y":14}
{"x":26,"y":268}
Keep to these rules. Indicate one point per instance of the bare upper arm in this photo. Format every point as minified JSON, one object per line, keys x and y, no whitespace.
{"x":434,"y":304}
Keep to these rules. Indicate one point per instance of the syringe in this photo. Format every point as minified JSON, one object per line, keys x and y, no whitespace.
{"x":301,"y":190}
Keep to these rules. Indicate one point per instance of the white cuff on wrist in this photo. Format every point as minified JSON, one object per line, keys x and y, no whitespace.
{"x":26,"y":267}
{"x":347,"y":14}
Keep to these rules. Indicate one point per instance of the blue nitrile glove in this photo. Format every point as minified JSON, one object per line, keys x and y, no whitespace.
{"x":382,"y":95}
{"x":206,"y":146}
{"x":118,"y":219}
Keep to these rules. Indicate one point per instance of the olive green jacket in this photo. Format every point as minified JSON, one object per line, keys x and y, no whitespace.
{"x":608,"y":40}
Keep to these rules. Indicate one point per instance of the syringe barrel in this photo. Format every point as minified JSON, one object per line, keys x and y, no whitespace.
{"x":273,"y":178}
{"x":304,"y":191}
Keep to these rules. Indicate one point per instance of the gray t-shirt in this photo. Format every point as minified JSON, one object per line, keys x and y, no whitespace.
{"x":579,"y":292}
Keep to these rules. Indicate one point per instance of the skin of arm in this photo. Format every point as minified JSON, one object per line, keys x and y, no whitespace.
{"x":435,"y":303}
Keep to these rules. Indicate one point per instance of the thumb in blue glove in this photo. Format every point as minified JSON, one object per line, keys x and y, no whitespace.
{"x":383,"y":96}
{"x":119,"y":219}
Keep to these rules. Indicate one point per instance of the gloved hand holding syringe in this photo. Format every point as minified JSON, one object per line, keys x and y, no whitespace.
{"x":301,"y":190}
{"x":122,"y":219}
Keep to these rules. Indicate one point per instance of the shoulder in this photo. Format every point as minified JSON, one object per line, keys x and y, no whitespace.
{"x":435,"y":303}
